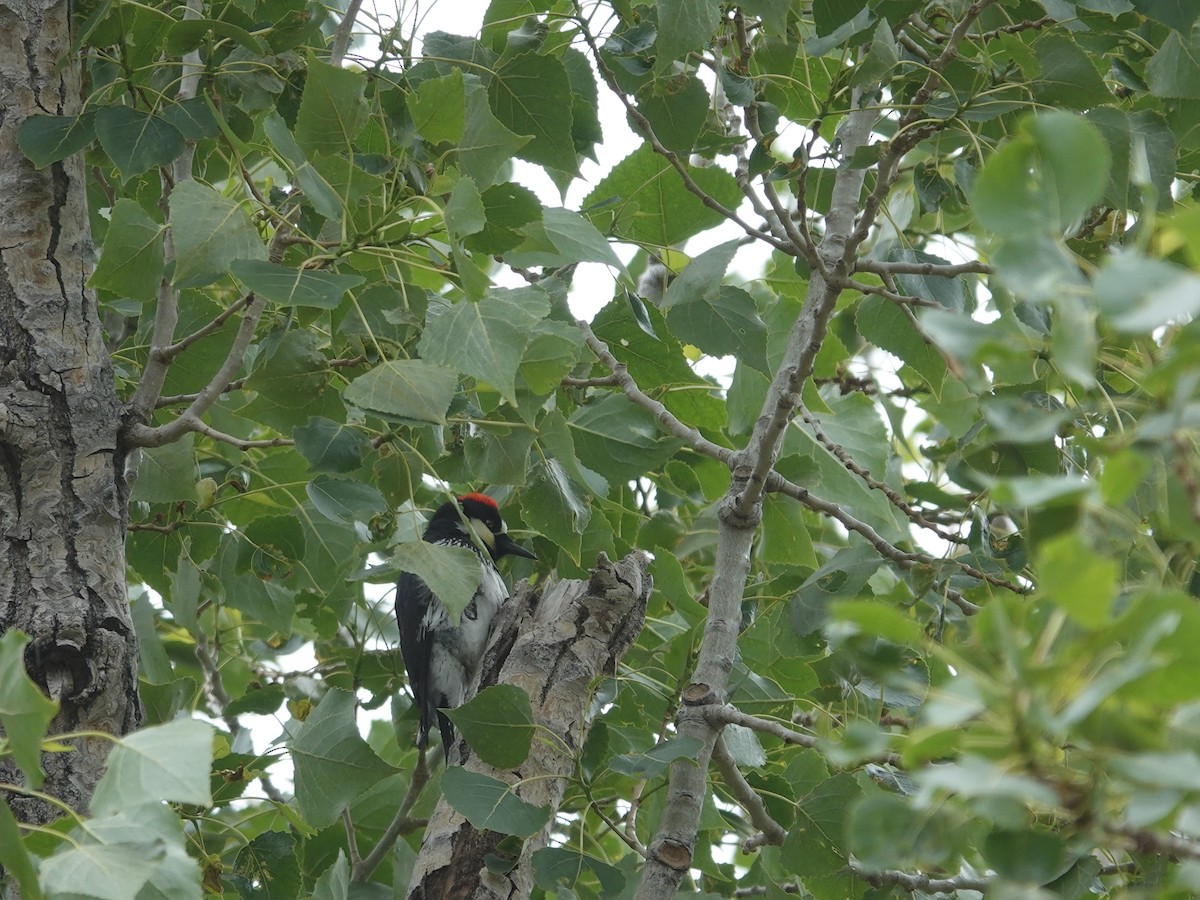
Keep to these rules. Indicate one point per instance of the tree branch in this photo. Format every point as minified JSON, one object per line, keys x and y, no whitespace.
{"x":666,"y":419}
{"x":720,"y":716}
{"x":771,"y":832}
{"x":839,"y":452}
{"x":343,"y":33}
{"x":401,"y":823}
{"x":919,"y":881}
{"x":145,"y":436}
{"x":878,"y":267}
{"x":672,"y":848}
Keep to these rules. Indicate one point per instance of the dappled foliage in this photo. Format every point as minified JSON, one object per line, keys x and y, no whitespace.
{"x":960,"y":429}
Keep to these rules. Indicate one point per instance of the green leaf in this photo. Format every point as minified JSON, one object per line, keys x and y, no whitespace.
{"x":486,"y":339}
{"x":886,"y":831}
{"x":683,"y":26}
{"x":294,"y":286}
{"x":677,"y":109}
{"x":331,"y":446}
{"x":648,"y":204}
{"x":486,"y":145}
{"x":194,"y":118}
{"x":574,"y":238}
{"x":406,"y":389}
{"x":188,"y":34}
{"x":830,"y":15}
{"x":270,"y":867}
{"x":1174,"y":70}
{"x":555,"y":866}
{"x":499,"y":455}
{"x":47,"y":139}
{"x":13,"y":856}
{"x":658,"y":364}
{"x":452,"y":573}
{"x":1069,"y":77}
{"x":464,"y":213}
{"x":498,"y":724}
{"x":1136,"y":294}
{"x":107,"y":872}
{"x":25,"y":712}
{"x":585,"y":100}
{"x":293,"y":372}
{"x":785,"y":539}
{"x":168,"y":473}
{"x":131,"y":263}
{"x":439,"y":109}
{"x":531,"y":95}
{"x":343,"y":500}
{"x":508,"y":208}
{"x":165,"y":762}
{"x":136,"y":140}
{"x":209,"y":231}
{"x":1045,"y":180}
{"x":1032,"y":856}
{"x":552,"y":353}
{"x":332,"y":108}
{"x":1075,"y":578}
{"x":619,"y":440}
{"x":655,"y":760}
{"x":1177,"y":14}
{"x":555,"y":507}
{"x":488,"y":803}
{"x":334,"y":883}
{"x":726,"y":324}
{"x":334,"y":765}
{"x":881,"y":58}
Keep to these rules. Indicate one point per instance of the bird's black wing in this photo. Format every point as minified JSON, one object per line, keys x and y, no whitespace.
{"x":414,"y":602}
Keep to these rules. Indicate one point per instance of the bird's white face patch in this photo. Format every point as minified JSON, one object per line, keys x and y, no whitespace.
{"x":484,"y":533}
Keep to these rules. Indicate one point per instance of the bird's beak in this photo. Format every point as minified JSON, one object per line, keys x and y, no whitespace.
{"x":507,"y":546}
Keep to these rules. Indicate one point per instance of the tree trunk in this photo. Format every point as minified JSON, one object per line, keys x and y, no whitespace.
{"x":553,"y":646}
{"x":62,"y":495}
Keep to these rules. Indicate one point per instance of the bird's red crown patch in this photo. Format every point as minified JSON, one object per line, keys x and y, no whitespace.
{"x":479,"y":498}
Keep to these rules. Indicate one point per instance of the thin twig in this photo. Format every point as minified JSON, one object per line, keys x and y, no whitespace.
{"x":883,"y":547}
{"x":919,"y":881}
{"x":840,"y":453}
{"x":175,"y":399}
{"x":723,"y":715}
{"x":893,"y":296}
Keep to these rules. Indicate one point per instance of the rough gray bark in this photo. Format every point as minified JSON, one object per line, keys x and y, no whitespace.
{"x":553,"y":646}
{"x":62,"y":495}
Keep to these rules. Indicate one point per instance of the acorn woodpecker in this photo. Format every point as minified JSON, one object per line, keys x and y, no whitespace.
{"x":443,"y":659}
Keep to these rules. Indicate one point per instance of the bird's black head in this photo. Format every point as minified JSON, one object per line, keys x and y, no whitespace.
{"x":479,"y":512}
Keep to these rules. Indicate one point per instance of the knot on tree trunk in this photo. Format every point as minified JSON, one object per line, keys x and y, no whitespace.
{"x":552,"y":642}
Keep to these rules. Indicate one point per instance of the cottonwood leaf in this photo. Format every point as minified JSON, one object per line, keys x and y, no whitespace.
{"x":405,"y":388}
{"x":486,"y":339}
{"x":498,"y":724}
{"x":209,"y":231}
{"x":167,"y":762}
{"x":25,"y":711}
{"x":488,"y":803}
{"x":452,"y":573}
{"x":334,"y":765}
{"x":293,"y":286}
